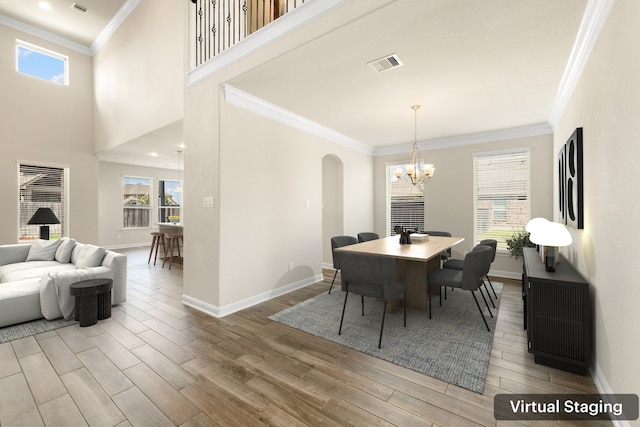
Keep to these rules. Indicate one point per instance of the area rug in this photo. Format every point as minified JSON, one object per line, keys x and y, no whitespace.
{"x":454,"y":346}
{"x":23,"y":330}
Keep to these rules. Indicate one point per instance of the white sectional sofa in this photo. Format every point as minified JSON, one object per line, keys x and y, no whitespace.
{"x":35,"y":277}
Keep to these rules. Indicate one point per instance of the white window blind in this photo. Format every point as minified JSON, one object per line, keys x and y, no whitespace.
{"x":405,"y":202}
{"x":136,"y":201}
{"x":41,"y":187}
{"x":501,"y":183}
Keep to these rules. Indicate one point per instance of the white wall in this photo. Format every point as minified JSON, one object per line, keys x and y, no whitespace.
{"x":111,"y":233}
{"x":43,"y":122}
{"x":139,"y":74}
{"x":271,"y":203}
{"x":449,"y":194}
{"x":606,"y":103}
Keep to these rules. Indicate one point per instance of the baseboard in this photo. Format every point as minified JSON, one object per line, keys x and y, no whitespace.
{"x":216,"y":311}
{"x":127,"y":246}
{"x":604,"y":388}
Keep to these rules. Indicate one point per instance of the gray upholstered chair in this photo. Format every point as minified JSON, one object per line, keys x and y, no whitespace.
{"x":372,"y":276}
{"x":365,"y":237}
{"x":456,"y":264}
{"x":338,"y":242}
{"x":444,"y":256}
{"x":476,"y":265}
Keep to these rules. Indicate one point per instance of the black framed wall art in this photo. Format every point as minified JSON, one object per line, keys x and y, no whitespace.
{"x":571,"y":182}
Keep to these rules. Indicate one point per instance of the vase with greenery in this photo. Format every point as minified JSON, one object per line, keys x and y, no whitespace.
{"x":518,"y":241}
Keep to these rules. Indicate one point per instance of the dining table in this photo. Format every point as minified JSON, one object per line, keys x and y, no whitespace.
{"x":414,"y":261}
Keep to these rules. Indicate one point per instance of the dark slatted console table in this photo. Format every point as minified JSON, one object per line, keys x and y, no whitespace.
{"x":557,"y":314}
{"x":93,"y":300}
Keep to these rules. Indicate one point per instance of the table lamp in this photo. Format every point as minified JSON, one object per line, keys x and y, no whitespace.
{"x":551,"y":236}
{"x":43,"y":217}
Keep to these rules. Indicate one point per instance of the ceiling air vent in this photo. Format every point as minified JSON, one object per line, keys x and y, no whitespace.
{"x":386,"y":63}
{"x":80,"y":8}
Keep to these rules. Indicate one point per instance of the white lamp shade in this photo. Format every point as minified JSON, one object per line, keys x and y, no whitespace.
{"x":536,"y":223}
{"x":551,"y":234}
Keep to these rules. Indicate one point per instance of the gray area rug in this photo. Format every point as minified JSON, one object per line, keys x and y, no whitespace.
{"x":454,"y":346}
{"x":22,"y":330}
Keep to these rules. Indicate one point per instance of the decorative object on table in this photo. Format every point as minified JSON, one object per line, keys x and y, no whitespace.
{"x":551,"y":236}
{"x":570,"y":181}
{"x":43,"y":217}
{"x":174,"y":219}
{"x":517,"y":241}
{"x":405,"y":234}
{"x":453,"y":347}
{"x":416,"y":171}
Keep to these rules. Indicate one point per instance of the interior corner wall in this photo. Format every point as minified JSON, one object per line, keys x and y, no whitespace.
{"x":606,"y":104}
{"x":271,"y":203}
{"x":139,"y":74}
{"x":449,"y":194}
{"x":47,"y":123}
{"x":111,"y":233}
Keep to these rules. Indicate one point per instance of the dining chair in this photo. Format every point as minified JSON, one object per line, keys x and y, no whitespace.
{"x":456,"y":264}
{"x":366,"y":236}
{"x":338,"y":242}
{"x":372,"y":276}
{"x":475,"y":266}
{"x":444,"y":256}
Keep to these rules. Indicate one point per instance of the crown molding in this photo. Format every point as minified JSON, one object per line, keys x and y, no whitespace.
{"x":122,"y":14}
{"x":259,"y":106}
{"x":53,"y":38}
{"x":300,"y":16}
{"x":593,"y":20}
{"x":470,"y":139}
{"x":102,"y":38}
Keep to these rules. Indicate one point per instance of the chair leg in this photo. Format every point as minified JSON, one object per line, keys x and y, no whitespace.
{"x":480,"y":310}
{"x":488,"y":294}
{"x":362,"y":303}
{"x":404,"y":301}
{"x":384,"y":312}
{"x":429,"y":298}
{"x":485,"y":300}
{"x":343,"y":308}
{"x":153,"y":243}
{"x":491,"y":284}
{"x":334,"y":279}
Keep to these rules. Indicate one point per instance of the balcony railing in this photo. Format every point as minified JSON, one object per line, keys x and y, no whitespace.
{"x":220,"y":24}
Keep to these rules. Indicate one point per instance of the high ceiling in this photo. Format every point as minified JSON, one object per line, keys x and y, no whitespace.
{"x":474,"y":66}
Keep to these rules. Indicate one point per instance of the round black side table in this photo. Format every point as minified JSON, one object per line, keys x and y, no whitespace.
{"x":93,"y":300}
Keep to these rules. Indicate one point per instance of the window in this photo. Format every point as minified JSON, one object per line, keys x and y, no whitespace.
{"x":42,"y":63}
{"x":169,"y":200}
{"x":136,"y":202}
{"x":501,"y":194}
{"x":41,"y":187}
{"x":405,"y":202}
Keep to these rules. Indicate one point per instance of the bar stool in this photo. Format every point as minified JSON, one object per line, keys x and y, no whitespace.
{"x":173,"y":241}
{"x":157,"y":239}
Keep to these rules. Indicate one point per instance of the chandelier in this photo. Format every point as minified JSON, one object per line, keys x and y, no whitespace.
{"x":416,"y":171}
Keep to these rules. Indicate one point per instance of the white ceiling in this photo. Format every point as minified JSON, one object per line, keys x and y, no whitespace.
{"x":474,"y":66}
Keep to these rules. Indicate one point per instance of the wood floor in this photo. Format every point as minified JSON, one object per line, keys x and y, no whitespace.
{"x":156,"y":362}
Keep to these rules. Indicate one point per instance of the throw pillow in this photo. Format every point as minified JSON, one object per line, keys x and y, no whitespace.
{"x":43,"y":250}
{"x":63,"y":253}
{"x":90,"y":256}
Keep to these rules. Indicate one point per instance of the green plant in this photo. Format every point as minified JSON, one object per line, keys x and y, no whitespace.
{"x":518,"y":241}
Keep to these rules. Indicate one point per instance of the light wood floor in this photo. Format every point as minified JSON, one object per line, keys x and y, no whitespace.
{"x":156,"y":362}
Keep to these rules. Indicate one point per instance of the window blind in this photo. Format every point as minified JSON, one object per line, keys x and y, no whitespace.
{"x":406,"y":202}
{"x":501,"y":194}
{"x":41,"y":187}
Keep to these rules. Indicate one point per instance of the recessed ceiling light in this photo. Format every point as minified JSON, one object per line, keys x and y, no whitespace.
{"x":154,"y":154}
{"x":44,"y":5}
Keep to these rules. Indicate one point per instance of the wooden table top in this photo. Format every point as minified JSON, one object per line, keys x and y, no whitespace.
{"x":417,"y":251}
